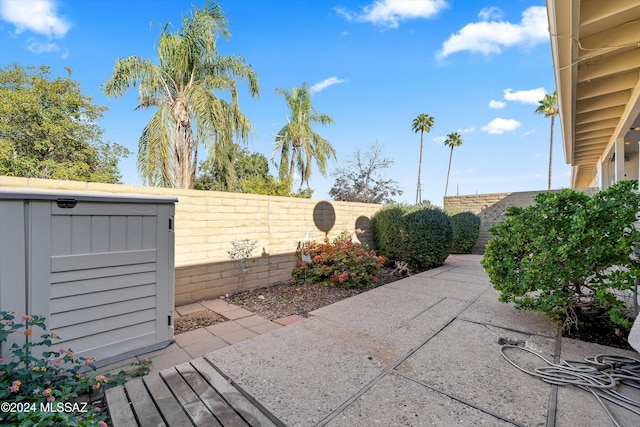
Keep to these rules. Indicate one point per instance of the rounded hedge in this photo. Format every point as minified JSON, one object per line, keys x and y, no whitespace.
{"x":387,"y":224}
{"x":466,"y":230}
{"x":419,"y":235}
{"x":428,"y":236}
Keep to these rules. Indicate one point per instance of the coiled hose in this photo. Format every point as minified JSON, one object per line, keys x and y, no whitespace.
{"x":599,"y":375}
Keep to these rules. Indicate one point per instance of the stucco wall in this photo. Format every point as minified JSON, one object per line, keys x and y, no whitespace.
{"x":491,"y":207}
{"x":207,"y":223}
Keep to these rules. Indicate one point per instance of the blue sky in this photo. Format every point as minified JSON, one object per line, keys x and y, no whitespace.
{"x":478,"y":67}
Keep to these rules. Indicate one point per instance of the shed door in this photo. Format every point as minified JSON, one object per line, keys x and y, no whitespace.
{"x":108,"y":290}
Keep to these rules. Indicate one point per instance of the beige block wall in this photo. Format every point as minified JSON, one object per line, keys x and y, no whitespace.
{"x":491,"y":208}
{"x":207,"y":223}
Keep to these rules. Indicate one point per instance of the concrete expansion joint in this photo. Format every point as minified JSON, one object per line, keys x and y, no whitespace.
{"x":503,"y":339}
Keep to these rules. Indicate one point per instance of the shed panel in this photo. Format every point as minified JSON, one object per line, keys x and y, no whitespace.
{"x":101,"y":271}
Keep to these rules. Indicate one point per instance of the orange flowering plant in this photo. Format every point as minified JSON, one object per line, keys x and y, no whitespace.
{"x":34,"y":374}
{"x":341,"y":262}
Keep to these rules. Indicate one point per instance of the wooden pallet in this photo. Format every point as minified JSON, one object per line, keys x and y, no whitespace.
{"x":191,"y":394}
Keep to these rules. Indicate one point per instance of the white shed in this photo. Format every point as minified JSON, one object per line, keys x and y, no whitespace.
{"x":99,"y":267}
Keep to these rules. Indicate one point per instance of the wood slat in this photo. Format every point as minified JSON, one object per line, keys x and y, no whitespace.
{"x":245,"y":408}
{"x":142,"y":404}
{"x":220,"y":409}
{"x":119,"y":408}
{"x":197,"y":410}
{"x":190,"y":394}
{"x":166,"y":402}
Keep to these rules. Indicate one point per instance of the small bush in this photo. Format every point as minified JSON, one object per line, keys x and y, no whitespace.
{"x":427,"y":235}
{"x":57,"y":378}
{"x":466,"y":230}
{"x":388,"y":236}
{"x":342,"y":262}
{"x":419,"y":235}
{"x":568,"y":254}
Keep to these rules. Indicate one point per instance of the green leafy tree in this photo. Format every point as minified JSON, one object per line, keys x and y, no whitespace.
{"x":568,"y":255}
{"x":228,"y":165}
{"x":549,"y":107}
{"x":232,"y":168}
{"x":423,"y":123}
{"x":361,"y":179}
{"x":453,"y":140}
{"x":183,"y":86}
{"x":297,"y":142}
{"x":48,"y":129}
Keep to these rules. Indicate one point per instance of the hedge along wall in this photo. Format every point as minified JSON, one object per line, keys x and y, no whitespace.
{"x":207,"y":223}
{"x":491,"y":208}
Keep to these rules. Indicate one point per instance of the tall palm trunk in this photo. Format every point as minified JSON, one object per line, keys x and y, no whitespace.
{"x":551,"y":150}
{"x":292,"y":166}
{"x":419,"y":190}
{"x":446,"y":187}
{"x":183,"y":151}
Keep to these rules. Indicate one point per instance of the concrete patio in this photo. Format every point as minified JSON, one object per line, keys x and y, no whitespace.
{"x":425,"y":350}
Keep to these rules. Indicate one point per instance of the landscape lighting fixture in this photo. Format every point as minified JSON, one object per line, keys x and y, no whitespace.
{"x":635,"y":128}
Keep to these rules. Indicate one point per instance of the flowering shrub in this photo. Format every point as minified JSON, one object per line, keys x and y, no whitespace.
{"x":342,"y":262}
{"x":142,"y":367}
{"x":49,"y":387}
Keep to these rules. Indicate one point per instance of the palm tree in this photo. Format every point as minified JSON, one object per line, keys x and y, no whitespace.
{"x":296,"y":142}
{"x":422,"y":123}
{"x":549,"y":107}
{"x":182,"y":87}
{"x":453,"y":140}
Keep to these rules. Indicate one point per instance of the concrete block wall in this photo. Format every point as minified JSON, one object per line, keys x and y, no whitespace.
{"x":207,"y":223}
{"x":491,"y":208}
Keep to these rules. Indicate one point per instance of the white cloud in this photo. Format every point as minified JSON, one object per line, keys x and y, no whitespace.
{"x":490,"y":13}
{"x":467,"y":130}
{"x":439,"y":139}
{"x":531,"y":96}
{"x":487,"y":37}
{"x":389,"y":13}
{"x":497,"y":104}
{"x":325,"y":84}
{"x":499,"y":126}
{"x":38,"y":16}
{"x":38,"y":48}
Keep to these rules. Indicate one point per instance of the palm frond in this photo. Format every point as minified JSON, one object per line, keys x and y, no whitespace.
{"x":155,"y":149}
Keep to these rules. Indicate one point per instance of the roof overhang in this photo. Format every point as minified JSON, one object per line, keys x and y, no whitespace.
{"x":596,"y":57}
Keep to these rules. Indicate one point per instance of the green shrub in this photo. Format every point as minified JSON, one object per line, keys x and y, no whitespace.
{"x":568,"y":254}
{"x":466,"y":230}
{"x":51,"y":386}
{"x":388,"y":236}
{"x":427,"y":237}
{"x":419,"y":235}
{"x":343,"y":263}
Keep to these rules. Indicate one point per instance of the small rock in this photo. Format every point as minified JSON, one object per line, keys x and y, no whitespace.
{"x":260,"y":296}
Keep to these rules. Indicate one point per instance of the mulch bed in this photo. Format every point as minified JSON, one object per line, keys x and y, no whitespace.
{"x":195,"y":321}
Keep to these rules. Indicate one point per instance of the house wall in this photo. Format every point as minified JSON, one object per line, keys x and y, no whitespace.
{"x":207,"y":223}
{"x":491,"y":208}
